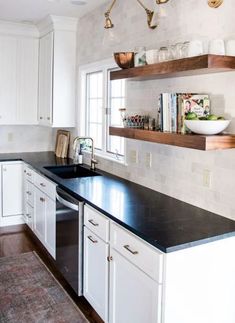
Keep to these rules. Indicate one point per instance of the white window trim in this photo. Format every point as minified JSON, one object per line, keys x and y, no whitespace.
{"x":83,"y":70}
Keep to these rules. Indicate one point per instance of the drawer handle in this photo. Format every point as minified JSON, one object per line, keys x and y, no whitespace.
{"x":127,"y":247}
{"x":42,"y":199}
{"x":29,"y":193}
{"x":93,"y":223}
{"x":43,"y":185}
{"x":92,"y":240}
{"x":29,"y":174}
{"x":29,"y":216}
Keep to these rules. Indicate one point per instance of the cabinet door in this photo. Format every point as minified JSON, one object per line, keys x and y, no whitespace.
{"x":50,"y":226}
{"x":12,"y":192}
{"x":8,"y":77}
{"x":40,"y":215}
{"x":45,"y":79}
{"x":29,"y":215}
{"x":96,"y":273}
{"x":134,"y":296}
{"x":27,"y":80}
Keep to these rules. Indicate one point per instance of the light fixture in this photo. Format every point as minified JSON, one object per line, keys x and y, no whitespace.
{"x":215,"y":3}
{"x":150,"y":14}
{"x":108,"y":21}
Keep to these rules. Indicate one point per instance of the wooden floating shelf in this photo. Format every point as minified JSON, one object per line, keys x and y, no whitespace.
{"x":200,"y":142}
{"x":204,"y":64}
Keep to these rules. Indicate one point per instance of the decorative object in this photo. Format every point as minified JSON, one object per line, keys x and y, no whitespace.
{"x":215,"y":3}
{"x":134,"y":121}
{"x":62,"y":143}
{"x":207,"y":127}
{"x":149,"y":13}
{"x":30,"y":293}
{"x":140,"y":56}
{"x":152,"y":56}
{"x":124,"y":59}
{"x":230,"y":47}
{"x":217,"y":47}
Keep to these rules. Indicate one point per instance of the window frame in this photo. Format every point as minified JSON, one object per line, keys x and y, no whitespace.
{"x":104,"y":66}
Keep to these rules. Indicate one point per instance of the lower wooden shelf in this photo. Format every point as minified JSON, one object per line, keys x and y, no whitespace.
{"x":200,"y":142}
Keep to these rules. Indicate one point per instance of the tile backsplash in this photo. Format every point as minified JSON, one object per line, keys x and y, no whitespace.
{"x":26,"y":138}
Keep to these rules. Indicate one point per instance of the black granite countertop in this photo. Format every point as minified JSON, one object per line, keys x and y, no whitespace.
{"x":164,"y":222}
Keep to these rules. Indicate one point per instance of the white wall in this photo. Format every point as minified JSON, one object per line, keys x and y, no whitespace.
{"x":175,"y":171}
{"x":26,"y":138}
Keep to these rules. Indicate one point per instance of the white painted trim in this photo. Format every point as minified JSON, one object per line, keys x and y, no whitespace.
{"x":18,"y":29}
{"x":83,"y":70}
{"x":52,"y":22}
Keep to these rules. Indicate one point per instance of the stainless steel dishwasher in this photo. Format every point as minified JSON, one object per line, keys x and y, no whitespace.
{"x":69,"y":238}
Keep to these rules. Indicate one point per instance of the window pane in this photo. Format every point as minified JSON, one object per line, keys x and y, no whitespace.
{"x":94,"y":107}
{"x":116,"y":101}
{"x":96,"y":134}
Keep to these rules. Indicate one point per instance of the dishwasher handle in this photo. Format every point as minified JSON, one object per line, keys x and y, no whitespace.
{"x":66,"y":203}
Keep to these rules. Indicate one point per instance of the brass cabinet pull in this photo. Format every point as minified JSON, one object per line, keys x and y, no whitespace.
{"x":43,"y":185}
{"x":93,"y":223}
{"x":92,"y":240}
{"x":42,"y":199}
{"x":127,"y":247}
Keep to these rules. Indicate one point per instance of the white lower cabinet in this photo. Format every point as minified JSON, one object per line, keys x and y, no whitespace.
{"x":44,"y":220}
{"x":96,"y":273}
{"x":134,"y":296}
{"x":11,"y":193}
{"x":40,"y":215}
{"x":122,"y":274}
{"x":40,"y":207}
{"x":29,"y":216}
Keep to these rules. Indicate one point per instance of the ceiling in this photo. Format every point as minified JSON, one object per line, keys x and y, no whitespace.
{"x":32,"y":11}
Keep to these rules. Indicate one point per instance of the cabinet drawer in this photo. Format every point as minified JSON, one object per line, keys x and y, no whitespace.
{"x":29,"y":193}
{"x":45,"y":186}
{"x":96,"y":222}
{"x":29,"y":174}
{"x":137,"y":251}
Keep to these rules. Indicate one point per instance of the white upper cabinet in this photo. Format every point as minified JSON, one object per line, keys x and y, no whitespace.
{"x":45,"y":79}
{"x":57,"y":71}
{"x":19,"y":76}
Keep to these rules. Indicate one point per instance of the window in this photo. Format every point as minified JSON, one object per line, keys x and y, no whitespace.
{"x":100,"y":104}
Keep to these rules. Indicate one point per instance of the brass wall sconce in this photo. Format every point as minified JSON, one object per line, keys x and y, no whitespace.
{"x":150,"y":14}
{"x":215,"y":3}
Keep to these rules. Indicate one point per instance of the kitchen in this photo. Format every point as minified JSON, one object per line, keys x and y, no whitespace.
{"x":164,"y":199}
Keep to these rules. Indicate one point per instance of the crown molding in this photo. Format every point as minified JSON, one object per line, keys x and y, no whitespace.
{"x":52,"y":22}
{"x":18,"y":29}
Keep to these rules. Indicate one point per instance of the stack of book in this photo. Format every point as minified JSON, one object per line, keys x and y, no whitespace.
{"x":174,"y":107}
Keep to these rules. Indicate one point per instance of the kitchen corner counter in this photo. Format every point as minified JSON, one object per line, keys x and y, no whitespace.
{"x":164,"y":222}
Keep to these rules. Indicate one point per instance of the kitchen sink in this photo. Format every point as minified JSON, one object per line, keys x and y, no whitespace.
{"x":71,"y":171}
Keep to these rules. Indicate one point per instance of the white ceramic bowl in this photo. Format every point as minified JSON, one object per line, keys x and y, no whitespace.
{"x":207,"y":127}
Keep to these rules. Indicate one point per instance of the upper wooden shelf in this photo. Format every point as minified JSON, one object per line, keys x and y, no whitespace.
{"x":200,"y":142}
{"x":197,"y":65}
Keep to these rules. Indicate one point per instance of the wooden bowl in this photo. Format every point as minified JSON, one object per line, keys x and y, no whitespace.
{"x":124,"y":59}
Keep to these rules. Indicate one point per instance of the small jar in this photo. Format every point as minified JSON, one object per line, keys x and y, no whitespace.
{"x":140,"y":56}
{"x":163,"y":54}
{"x":185,"y":49}
{"x":179,"y":50}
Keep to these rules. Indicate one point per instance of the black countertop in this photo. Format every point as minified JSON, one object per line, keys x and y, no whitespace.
{"x":164,"y":222}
